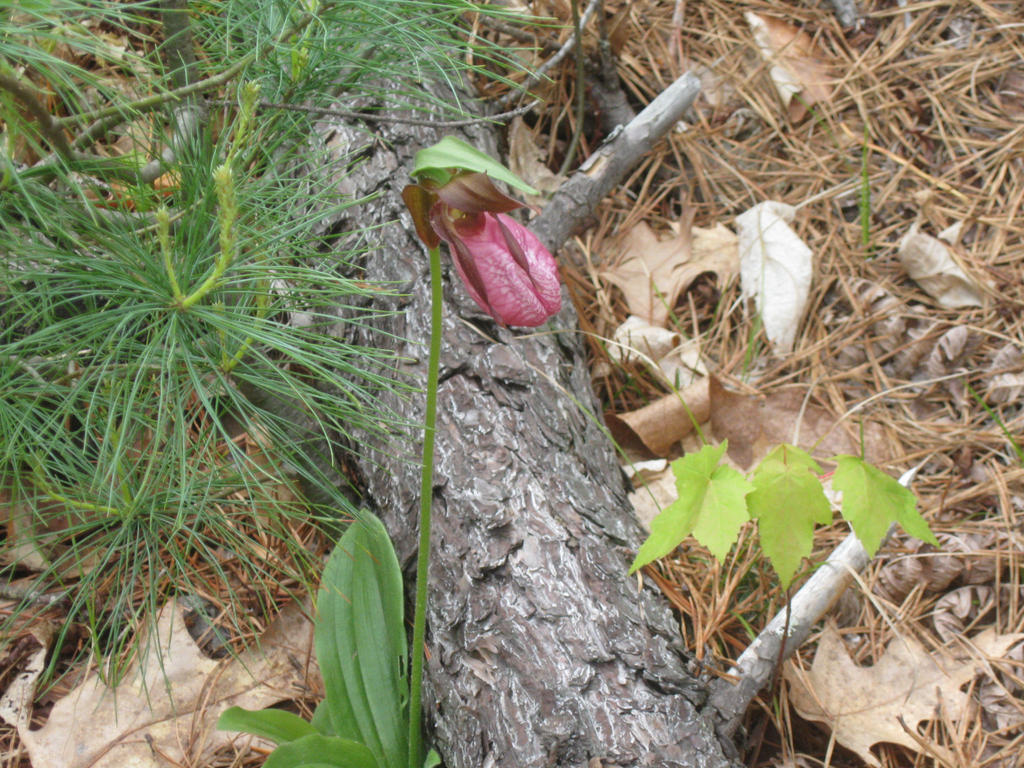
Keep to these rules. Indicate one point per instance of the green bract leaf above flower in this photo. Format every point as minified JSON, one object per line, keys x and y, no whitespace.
{"x":438,"y":161}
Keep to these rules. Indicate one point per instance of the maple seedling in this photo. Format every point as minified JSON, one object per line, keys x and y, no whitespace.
{"x":785,"y":495}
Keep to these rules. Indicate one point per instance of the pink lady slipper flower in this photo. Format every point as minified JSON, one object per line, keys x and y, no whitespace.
{"x":506,"y":270}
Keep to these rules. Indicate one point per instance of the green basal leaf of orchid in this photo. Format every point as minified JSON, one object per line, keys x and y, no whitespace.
{"x":361,"y":643}
{"x":277,"y":725}
{"x":449,"y":153}
{"x":316,"y":751}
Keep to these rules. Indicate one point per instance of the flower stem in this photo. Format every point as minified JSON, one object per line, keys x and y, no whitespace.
{"x":426,"y":497}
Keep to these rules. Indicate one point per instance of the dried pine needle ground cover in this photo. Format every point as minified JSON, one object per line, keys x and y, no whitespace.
{"x":922,"y":123}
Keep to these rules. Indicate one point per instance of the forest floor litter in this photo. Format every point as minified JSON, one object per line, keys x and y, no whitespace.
{"x":887,"y":318}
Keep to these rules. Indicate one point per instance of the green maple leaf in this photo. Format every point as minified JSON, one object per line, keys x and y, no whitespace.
{"x":711,"y":506}
{"x":787,"y":502}
{"x":872,"y":501}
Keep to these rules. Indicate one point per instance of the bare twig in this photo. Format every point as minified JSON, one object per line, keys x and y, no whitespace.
{"x":518,"y":34}
{"x":759,"y":662}
{"x":179,"y":52}
{"x":570,"y":153}
{"x":574,"y":202}
{"x":180,"y":57}
{"x":612,"y":104}
{"x":535,"y":77}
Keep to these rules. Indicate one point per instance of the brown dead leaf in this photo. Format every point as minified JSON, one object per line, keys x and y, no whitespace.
{"x":659,"y":426}
{"x":754,"y":424}
{"x":165,"y":709}
{"x":918,"y":565}
{"x":653,"y":272}
{"x":864,"y":705}
{"x":797,"y":63}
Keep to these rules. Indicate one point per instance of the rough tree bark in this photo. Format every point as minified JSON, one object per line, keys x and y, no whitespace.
{"x":541,"y":651}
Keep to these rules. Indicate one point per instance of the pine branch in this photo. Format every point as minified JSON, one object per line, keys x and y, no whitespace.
{"x":106,"y":118}
{"x":48,"y":127}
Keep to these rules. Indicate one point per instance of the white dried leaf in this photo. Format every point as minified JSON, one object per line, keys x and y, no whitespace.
{"x":683,"y":365}
{"x":1006,"y":387}
{"x":775,"y":269}
{"x":930,"y":263}
{"x":676,"y":361}
{"x":636,"y":338}
{"x":1007,"y":358}
{"x":645,"y":469}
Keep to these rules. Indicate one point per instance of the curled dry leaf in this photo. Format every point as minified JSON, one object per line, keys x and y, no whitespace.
{"x":1006,"y":384}
{"x":865,"y":705}
{"x":674,"y":360}
{"x":775,"y":269}
{"x":798,"y":65}
{"x":637,"y":338}
{"x":951,"y":354}
{"x":954,"y":613}
{"x":658,"y":427}
{"x":931,"y":264}
{"x":958,"y":610}
{"x":969,"y":558}
{"x":526,"y":160}
{"x":1000,"y":700}
{"x":652,"y":272}
{"x":683,"y":365}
